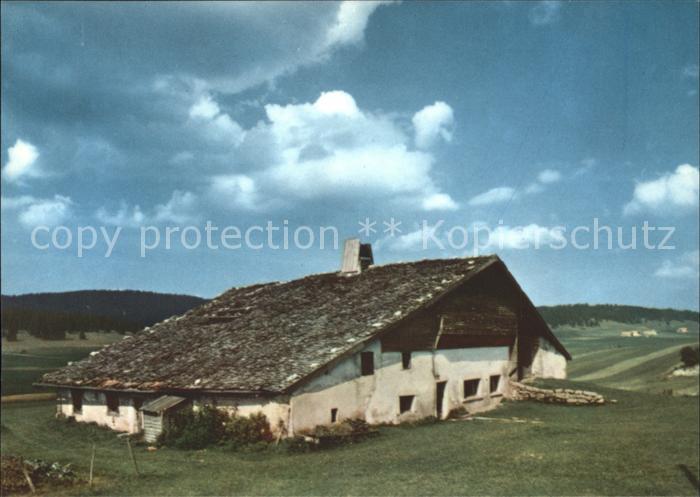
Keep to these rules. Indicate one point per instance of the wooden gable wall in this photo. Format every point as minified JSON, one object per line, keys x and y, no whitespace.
{"x":487,"y":311}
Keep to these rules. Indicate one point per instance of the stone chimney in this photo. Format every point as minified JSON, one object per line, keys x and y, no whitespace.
{"x":356,"y":256}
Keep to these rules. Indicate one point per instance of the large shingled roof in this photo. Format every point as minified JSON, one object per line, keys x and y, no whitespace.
{"x":264,"y":338}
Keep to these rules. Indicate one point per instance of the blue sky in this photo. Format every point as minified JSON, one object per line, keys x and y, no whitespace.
{"x":532,"y":118}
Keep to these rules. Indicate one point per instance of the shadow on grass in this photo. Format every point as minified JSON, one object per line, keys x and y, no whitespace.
{"x":690,"y":476}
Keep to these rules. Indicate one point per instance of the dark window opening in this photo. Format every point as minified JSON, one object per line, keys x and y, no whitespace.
{"x":405,"y":403}
{"x":77,"y":399}
{"x":112,"y":403}
{"x":367,"y":363}
{"x":439,"y":397}
{"x":494,"y":381}
{"x":334,"y":415}
{"x":471,"y":388}
{"x":406,"y":360}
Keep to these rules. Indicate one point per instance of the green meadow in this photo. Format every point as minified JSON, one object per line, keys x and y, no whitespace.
{"x":644,"y":444}
{"x":26,"y":360}
{"x":603,"y":357}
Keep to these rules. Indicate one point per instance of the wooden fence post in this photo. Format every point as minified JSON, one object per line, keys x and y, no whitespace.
{"x":28,"y":478}
{"x":92,"y":464}
{"x":131,"y":453}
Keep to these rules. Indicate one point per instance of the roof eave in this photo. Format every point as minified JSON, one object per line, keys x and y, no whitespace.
{"x":165,"y":391}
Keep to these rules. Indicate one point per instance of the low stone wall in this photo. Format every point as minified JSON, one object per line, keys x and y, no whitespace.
{"x":567,"y":396}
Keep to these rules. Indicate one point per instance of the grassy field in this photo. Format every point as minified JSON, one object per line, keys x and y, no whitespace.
{"x":603,"y":357}
{"x":634,"y":447}
{"x":24,"y":361}
{"x":639,"y":446}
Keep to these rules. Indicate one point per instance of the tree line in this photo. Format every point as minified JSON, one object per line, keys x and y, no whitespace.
{"x":144,"y":308}
{"x":591,"y":315}
{"x":51,"y":315}
{"x":53,"y":325}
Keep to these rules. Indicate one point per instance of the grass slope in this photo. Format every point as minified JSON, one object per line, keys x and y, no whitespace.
{"x":633,"y":447}
{"x":603,"y":357}
{"x":24,"y":361}
{"x":621,"y":366}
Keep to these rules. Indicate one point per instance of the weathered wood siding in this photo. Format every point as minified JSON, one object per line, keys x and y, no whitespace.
{"x":152,"y":427}
{"x":483,"y":314}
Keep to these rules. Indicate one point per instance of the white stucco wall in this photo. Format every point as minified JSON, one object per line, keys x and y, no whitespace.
{"x":375,"y":398}
{"x":548,"y":362}
{"x":94,"y":410}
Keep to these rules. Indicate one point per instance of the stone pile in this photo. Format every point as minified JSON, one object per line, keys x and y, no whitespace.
{"x":567,"y":396}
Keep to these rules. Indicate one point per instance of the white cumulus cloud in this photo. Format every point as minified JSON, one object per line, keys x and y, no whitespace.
{"x":505,"y":193}
{"x":336,"y":102}
{"x":493,"y":196}
{"x":179,"y":209}
{"x":34,"y":212}
{"x":433,"y":122}
{"x":204,"y":108}
{"x":236,"y":191}
{"x":350,"y":23}
{"x":213,"y":123}
{"x":125,"y":216}
{"x":548,"y":176}
{"x":407,"y":242}
{"x":22,"y":157}
{"x":10,"y":203}
{"x":673,"y":192}
{"x":685,"y":266}
{"x":329,"y":148}
{"x":439,"y":202}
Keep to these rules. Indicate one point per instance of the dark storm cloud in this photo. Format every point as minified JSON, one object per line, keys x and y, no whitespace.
{"x":120,"y":75}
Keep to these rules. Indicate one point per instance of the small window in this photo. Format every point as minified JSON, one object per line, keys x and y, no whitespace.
{"x":367,"y":363}
{"x":334,"y":415}
{"x":112,"y":403}
{"x":471,"y":388}
{"x":406,"y":360}
{"x":77,"y":399}
{"x":494,"y":382}
{"x":405,"y":403}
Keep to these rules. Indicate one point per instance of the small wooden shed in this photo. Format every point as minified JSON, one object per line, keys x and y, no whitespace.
{"x":155,"y":415}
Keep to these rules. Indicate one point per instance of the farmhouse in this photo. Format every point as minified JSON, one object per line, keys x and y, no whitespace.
{"x":385,"y":343}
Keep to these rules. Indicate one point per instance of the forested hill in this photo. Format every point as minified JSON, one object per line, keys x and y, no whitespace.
{"x":590,"y":315}
{"x":133,"y":309}
{"x":52,"y":315}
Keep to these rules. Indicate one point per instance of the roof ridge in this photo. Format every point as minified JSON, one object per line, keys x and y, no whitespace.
{"x":373,"y":266}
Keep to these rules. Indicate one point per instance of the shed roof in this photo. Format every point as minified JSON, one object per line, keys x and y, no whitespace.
{"x":162,"y":403}
{"x":265,"y":338}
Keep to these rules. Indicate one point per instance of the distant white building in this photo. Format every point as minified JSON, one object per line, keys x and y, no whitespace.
{"x":649,"y":333}
{"x":630,"y":333}
{"x":682,"y":329}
